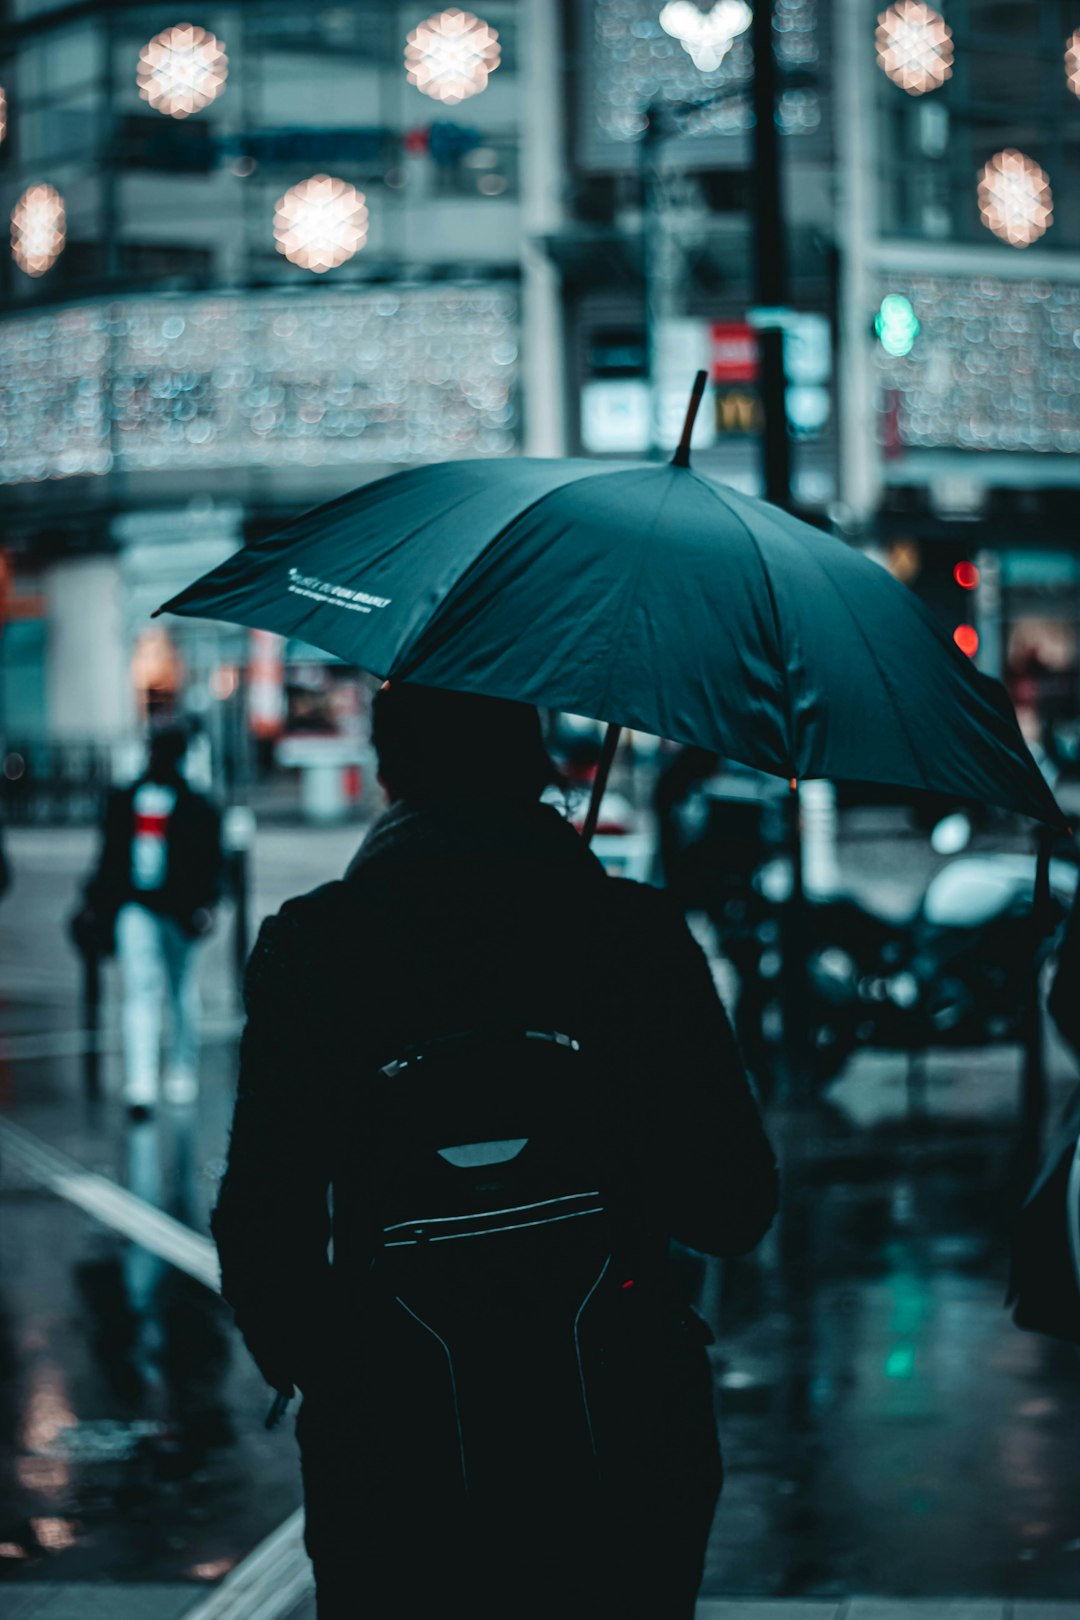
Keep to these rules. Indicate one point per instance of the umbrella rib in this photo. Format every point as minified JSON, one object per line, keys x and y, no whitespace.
{"x":643,"y":546}
{"x":792,"y":769}
{"x":867,"y":643}
{"x":879,"y":666}
{"x":400,"y":665}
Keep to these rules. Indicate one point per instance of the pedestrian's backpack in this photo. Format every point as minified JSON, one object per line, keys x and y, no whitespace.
{"x":499,"y":1273}
{"x":1044,"y":1274}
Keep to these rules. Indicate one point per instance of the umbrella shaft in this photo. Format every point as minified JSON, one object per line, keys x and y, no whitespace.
{"x":603,"y":770}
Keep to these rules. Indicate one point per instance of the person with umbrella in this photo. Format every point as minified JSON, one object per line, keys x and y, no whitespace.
{"x":471,"y":906}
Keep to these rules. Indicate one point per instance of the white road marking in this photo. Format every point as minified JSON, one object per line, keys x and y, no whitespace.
{"x":268,"y":1584}
{"x":272,"y":1580}
{"x":114,"y":1206}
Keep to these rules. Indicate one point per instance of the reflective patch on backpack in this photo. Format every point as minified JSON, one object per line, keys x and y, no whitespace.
{"x":488,"y":1222}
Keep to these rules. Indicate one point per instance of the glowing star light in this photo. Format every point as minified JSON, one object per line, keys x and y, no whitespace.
{"x":451,"y":56}
{"x":1015,"y":200}
{"x":182,"y":70}
{"x":38,"y":229}
{"x":1072,"y":63}
{"x":320,"y":223}
{"x":914,"y":47}
{"x":706,"y":36}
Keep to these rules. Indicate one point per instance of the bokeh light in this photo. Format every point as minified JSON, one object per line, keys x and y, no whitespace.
{"x":182,"y":70}
{"x":320,"y":223}
{"x":1015,"y":201}
{"x":706,"y":36}
{"x":914,"y":47}
{"x":967,"y":639}
{"x":451,"y":56}
{"x":966,"y":575}
{"x":1072,"y":63}
{"x":3,"y":114}
{"x":896,"y":325}
{"x":38,"y":229}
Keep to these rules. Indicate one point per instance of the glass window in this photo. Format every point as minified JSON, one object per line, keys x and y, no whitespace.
{"x":55,"y":63}
{"x":59,"y":129}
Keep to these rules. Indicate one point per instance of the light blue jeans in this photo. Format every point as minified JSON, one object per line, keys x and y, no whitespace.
{"x":157,"y":959}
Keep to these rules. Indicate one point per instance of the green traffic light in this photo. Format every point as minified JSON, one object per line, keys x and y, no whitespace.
{"x":896,"y":325}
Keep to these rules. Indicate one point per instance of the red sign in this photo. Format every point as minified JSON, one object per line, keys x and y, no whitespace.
{"x":734,"y":352}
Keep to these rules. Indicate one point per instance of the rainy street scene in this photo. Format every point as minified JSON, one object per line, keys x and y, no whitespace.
{"x":539,"y":788}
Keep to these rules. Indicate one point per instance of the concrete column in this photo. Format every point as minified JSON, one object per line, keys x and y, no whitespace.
{"x":88,"y":690}
{"x":543,"y":370}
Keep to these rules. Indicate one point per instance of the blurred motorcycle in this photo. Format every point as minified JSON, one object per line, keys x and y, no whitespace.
{"x":958,"y":973}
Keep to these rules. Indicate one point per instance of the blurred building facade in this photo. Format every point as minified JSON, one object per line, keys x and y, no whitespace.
{"x":540,"y":267}
{"x":173,"y":384}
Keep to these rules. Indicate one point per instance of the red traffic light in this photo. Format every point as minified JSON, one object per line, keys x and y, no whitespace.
{"x":967,"y":639}
{"x":966,"y":575}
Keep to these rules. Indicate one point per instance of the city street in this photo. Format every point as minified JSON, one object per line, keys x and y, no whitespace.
{"x":870,"y":1383}
{"x":663,"y":410}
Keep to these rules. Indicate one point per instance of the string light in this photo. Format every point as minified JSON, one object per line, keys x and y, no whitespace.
{"x":182,"y":70}
{"x":320,"y":223}
{"x":451,"y":56}
{"x":1015,"y":200}
{"x":38,"y":229}
{"x":914,"y":47}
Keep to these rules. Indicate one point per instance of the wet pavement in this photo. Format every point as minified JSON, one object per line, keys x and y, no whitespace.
{"x":886,"y":1429}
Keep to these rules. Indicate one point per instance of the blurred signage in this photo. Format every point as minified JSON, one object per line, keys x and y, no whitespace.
{"x":734,"y":357}
{"x":615,"y":416}
{"x":682,"y":350}
{"x":738,"y":413}
{"x":1039,"y":569}
{"x":617,"y":351}
{"x":807,"y":350}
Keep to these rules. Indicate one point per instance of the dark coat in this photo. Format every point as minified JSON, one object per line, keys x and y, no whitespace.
{"x":449,"y":918}
{"x":195,"y":861}
{"x":1063,"y":1002}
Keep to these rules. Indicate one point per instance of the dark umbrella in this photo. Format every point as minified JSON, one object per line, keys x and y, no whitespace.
{"x":645,"y":595}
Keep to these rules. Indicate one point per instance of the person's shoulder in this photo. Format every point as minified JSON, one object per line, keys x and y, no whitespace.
{"x":630,"y":897}
{"x":292,"y":942}
{"x":312,"y":912}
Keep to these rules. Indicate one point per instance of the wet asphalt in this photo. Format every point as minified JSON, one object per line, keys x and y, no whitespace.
{"x":886,"y":1429}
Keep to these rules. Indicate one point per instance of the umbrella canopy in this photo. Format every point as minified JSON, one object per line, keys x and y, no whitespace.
{"x":646,"y":595}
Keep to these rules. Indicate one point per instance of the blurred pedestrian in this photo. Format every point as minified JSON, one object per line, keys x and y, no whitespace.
{"x":457,"y":1458}
{"x":157,"y":880}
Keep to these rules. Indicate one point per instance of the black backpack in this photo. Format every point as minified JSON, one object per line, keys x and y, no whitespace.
{"x":499,"y":1263}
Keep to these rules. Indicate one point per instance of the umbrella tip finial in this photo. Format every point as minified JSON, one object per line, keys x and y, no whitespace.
{"x":681,"y":458}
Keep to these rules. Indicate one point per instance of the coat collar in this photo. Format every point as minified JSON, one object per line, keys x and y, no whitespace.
{"x":473,"y":829}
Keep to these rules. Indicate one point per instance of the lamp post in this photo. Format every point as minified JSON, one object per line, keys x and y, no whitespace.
{"x":770,"y":260}
{"x":770,"y":271}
